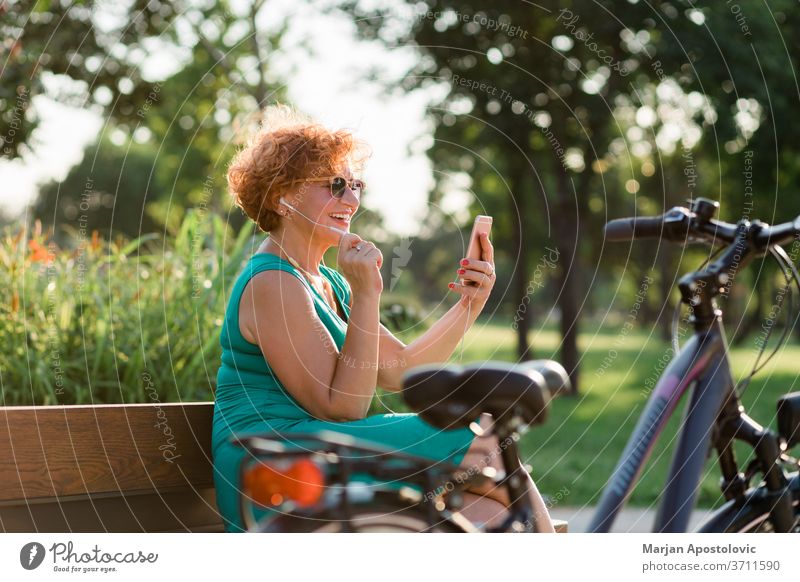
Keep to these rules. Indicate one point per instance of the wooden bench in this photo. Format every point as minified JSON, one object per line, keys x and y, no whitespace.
{"x":115,"y":468}
{"x":109,"y":467}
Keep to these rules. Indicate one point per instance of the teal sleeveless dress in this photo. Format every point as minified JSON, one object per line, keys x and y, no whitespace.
{"x":250,"y":399}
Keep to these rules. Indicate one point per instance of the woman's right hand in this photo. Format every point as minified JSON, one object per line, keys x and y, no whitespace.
{"x":360,"y":262}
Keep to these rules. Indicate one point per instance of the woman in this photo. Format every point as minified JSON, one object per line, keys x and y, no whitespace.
{"x":303,"y":346}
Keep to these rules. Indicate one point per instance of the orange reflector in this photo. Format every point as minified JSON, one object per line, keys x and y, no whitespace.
{"x":303,"y":483}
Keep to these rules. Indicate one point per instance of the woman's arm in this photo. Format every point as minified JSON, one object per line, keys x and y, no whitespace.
{"x":277,"y":311}
{"x":439,"y":342}
{"x":354,"y":386}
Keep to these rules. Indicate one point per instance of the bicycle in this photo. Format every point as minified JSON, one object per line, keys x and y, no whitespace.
{"x":714,"y":415}
{"x":312,"y":473}
{"x":517,"y":397}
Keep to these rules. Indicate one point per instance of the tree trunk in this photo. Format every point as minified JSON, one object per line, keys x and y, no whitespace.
{"x":517,"y":208}
{"x":749,"y":324}
{"x":667,"y":274}
{"x":261,"y":87}
{"x":566,"y":235}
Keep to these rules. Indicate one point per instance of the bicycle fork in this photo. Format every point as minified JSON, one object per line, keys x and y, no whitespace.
{"x":734,"y":424}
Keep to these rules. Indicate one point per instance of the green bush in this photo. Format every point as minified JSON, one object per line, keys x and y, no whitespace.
{"x":115,"y":322}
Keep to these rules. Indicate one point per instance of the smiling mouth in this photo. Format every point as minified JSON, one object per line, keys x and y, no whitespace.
{"x":341,"y":218}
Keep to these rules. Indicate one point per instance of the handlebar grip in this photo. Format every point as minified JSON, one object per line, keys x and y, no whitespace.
{"x":780,"y":234}
{"x":625,"y":229}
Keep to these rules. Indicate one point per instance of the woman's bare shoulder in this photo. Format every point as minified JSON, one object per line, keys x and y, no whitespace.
{"x":271,"y":296}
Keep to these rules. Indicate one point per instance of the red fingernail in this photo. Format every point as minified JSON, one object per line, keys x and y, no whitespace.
{"x":461,"y":271}
{"x":464,"y":262}
{"x":451,"y":285}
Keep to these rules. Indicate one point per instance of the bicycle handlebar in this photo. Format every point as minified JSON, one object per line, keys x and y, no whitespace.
{"x":745,"y":240}
{"x":780,"y":234}
{"x":636,"y":227}
{"x":681,"y":224}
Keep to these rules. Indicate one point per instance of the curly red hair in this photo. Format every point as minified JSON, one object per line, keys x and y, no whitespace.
{"x":287,"y":149}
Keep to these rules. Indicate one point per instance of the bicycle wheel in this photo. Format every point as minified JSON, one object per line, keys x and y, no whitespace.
{"x":751,"y":515}
{"x":375,"y":517}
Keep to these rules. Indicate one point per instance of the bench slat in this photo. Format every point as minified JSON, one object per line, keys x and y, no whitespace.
{"x":182,"y":510}
{"x":53,"y":451}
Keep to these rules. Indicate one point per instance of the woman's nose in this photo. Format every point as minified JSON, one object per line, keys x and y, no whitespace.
{"x":351,"y":198}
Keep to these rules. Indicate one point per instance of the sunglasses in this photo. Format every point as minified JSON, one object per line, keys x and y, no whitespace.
{"x":338,"y":184}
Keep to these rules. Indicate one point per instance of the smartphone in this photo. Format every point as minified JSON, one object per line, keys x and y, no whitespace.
{"x":482,"y":224}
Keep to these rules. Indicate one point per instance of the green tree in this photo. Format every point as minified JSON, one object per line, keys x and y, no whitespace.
{"x":540,"y":101}
{"x":190,"y":121}
{"x":197,"y":116}
{"x":530,"y":105}
{"x":43,"y":38}
{"x":107,"y":191}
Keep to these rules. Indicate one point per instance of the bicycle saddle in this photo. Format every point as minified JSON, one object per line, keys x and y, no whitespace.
{"x":453,"y":396}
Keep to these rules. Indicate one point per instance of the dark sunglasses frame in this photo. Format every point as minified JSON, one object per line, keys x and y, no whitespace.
{"x":338,"y":184}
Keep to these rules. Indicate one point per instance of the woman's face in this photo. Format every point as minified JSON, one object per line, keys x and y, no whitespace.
{"x":314,"y":199}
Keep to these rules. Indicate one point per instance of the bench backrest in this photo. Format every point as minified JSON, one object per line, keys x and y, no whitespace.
{"x":114,"y":467}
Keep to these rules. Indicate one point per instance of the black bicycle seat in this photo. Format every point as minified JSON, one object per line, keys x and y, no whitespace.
{"x":453,"y":396}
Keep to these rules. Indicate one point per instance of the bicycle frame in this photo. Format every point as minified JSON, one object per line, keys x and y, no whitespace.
{"x":713,"y":416}
{"x":713,"y":413}
{"x":702,"y":366}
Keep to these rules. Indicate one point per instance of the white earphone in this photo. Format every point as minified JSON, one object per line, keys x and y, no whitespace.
{"x":338,"y":231}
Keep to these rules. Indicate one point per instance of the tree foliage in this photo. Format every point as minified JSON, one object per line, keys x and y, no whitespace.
{"x":567,"y":114}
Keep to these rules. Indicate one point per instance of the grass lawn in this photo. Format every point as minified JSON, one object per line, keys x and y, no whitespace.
{"x":578,"y":448}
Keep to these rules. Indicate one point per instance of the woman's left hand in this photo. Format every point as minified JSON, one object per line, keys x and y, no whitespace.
{"x":478,"y":276}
